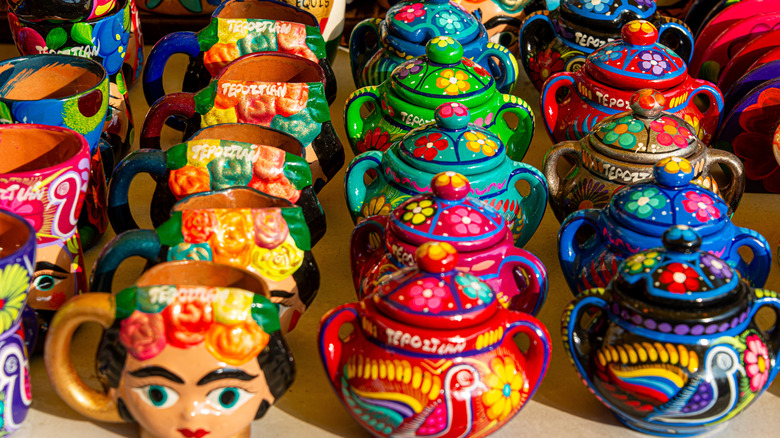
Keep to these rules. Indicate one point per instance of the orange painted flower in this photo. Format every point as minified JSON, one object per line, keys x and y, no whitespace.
{"x":270,"y":227}
{"x":232,"y":241}
{"x":186,"y":321}
{"x":294,"y":42}
{"x":238,"y":344}
{"x":197,"y":226}
{"x":143,"y":335}
{"x":453,"y":82}
{"x":188,"y":180}
{"x":220,"y":55}
{"x":507,"y":388}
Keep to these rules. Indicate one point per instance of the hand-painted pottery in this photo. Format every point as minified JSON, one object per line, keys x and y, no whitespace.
{"x":624,"y":148}
{"x":15,"y":374}
{"x":432,"y":314}
{"x":757,"y":75}
{"x":39,"y":10}
{"x":560,"y":40}
{"x":454,"y":145}
{"x":405,"y":32}
{"x":179,"y":7}
{"x":703,"y":11}
{"x":17,"y":239}
{"x":134,"y":57}
{"x":238,"y":27}
{"x":672,"y":346}
{"x":278,"y":90}
{"x":194,"y":349}
{"x":503,"y":18}
{"x":674,"y":8}
{"x":410,"y":96}
{"x":752,"y":51}
{"x":239,"y":227}
{"x":273,"y":165}
{"x":330,"y":14}
{"x":575,"y":102}
{"x":480,"y":233}
{"x":635,"y":221}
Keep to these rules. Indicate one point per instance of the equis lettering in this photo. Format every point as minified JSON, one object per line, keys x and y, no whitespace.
{"x":429,"y":345}
{"x":232,"y":89}
{"x":240,"y":26}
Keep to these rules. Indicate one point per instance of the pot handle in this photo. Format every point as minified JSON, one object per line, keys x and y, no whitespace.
{"x":174,"y":104}
{"x":537,"y":356}
{"x":674,"y":34}
{"x":91,"y":307}
{"x":354,"y":122}
{"x":517,"y":144}
{"x":330,"y":343}
{"x":568,"y":247}
{"x":732,"y":192}
{"x":536,"y":28}
{"x":142,"y":243}
{"x":502,"y":64}
{"x":530,"y":277}
{"x":359,"y":52}
{"x":361,"y":248}
{"x":550,"y":104}
{"x":354,"y":185}
{"x":177,"y":42}
{"x":769,"y":298}
{"x":576,"y":339}
{"x":534,"y":204}
{"x":151,"y":161}
{"x":715,"y":110}
{"x":550,"y":166}
{"x":757,"y":271}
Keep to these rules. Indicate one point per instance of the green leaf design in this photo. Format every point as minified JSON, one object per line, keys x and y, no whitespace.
{"x":296,"y":223}
{"x":82,"y":33}
{"x":193,"y":6}
{"x":56,"y":38}
{"x":5,"y":114}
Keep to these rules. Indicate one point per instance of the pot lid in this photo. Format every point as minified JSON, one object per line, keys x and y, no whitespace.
{"x":645,"y":134}
{"x":434,"y":294}
{"x":418,"y":21}
{"x":442,"y":75}
{"x":650,"y":208}
{"x":606,"y":13}
{"x":452,"y":142}
{"x":448,"y":215}
{"x":636,"y":61}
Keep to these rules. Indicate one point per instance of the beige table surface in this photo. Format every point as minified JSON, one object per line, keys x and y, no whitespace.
{"x":561,"y":407}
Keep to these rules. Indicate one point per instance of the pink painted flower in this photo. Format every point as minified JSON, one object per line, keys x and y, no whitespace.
{"x":31,"y":209}
{"x":427,"y":295}
{"x":465,"y":221}
{"x":453,"y":108}
{"x":143,"y":334}
{"x":756,"y":362}
{"x":702,"y":206}
{"x":407,"y":14}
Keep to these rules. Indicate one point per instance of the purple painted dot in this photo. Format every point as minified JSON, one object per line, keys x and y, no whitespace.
{"x":649,"y":323}
{"x":712,"y":328}
{"x":681,"y":329}
{"x":734,"y":322}
{"x":665,"y":327}
{"x":742,"y":317}
{"x":697,"y":329}
{"x":636,"y":319}
{"x":625,"y":315}
{"x":723,"y":327}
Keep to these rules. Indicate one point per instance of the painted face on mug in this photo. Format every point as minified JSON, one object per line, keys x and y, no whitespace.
{"x":53,"y":281}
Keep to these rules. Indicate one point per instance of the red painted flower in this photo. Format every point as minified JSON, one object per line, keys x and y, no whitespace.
{"x":544,"y":65}
{"x":465,"y":221}
{"x":407,"y":14}
{"x":374,"y":140}
{"x":478,"y":69}
{"x":186,"y":321}
{"x":679,"y":278}
{"x":701,"y":205}
{"x":754,"y":144}
{"x":428,"y":146}
{"x":427,"y":295}
{"x":197,"y":226}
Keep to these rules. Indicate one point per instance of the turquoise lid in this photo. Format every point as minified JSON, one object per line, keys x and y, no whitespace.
{"x":419,"y":21}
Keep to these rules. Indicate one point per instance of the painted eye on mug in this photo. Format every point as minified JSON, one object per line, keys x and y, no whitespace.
{"x":229,"y":398}
{"x":157,"y":395}
{"x":45,"y":282}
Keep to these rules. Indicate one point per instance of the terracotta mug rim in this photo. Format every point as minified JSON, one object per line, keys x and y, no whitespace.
{"x":246,"y":280}
{"x":28,"y":244}
{"x":260,"y":56}
{"x":46,"y":24}
{"x":87,"y":64}
{"x":253,"y":194}
{"x":293,"y":9}
{"x":83,"y":148}
{"x":244,"y":130}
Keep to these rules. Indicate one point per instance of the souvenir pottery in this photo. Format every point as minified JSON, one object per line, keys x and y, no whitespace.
{"x":17,"y":238}
{"x":575,"y":102}
{"x":405,"y":32}
{"x":479,"y":232}
{"x":674,"y":8}
{"x":70,"y":92}
{"x":757,"y":75}
{"x":240,"y":227}
{"x":207,"y":164}
{"x":39,"y":10}
{"x":238,"y":27}
{"x":698,"y":12}
{"x":453,"y":368}
{"x":503,"y":18}
{"x":623,"y":149}
{"x":134,"y":57}
{"x":192,"y":350}
{"x":283,"y":91}
{"x":410,"y":96}
{"x":454,"y":145}
{"x":179,"y":7}
{"x":560,"y":40}
{"x":746,"y":56}
{"x":672,"y":346}
{"x":16,"y":388}
{"x":330,"y":14}
{"x":636,"y":218}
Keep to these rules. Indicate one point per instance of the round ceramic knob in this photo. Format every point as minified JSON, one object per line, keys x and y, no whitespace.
{"x":451,"y":186}
{"x":647,"y":103}
{"x":453,"y":116}
{"x":673,"y":172}
{"x":681,"y":238}
{"x":436,"y":257}
{"x":639,"y":33}
{"x":444,"y":50}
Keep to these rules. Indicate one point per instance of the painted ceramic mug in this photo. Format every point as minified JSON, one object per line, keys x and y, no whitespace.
{"x":37,"y":10}
{"x":182,"y":323}
{"x":240,"y":227}
{"x":330,"y":14}
{"x":278,"y":90}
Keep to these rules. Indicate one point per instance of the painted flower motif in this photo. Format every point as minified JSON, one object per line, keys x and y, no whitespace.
{"x":376,"y":206}
{"x":427,"y":295}
{"x":654,"y":63}
{"x":14,"y":282}
{"x":449,"y":22}
{"x":197,"y":226}
{"x":410,"y":68}
{"x":716,"y":266}
{"x":465,"y":221}
{"x":754,"y":143}
{"x":450,"y":178}
{"x":674,"y":165}
{"x":233,"y":237}
{"x":270,"y":227}
{"x":111,"y":38}
{"x":474,"y":288}
{"x":188,"y":180}
{"x":186,"y":320}
{"x":639,"y":262}
{"x":679,"y":278}
{"x":143,"y":334}
{"x":236,"y":344}
{"x":561,"y":29}
{"x":428,"y":146}
{"x":190,"y":251}
{"x":278,"y":263}
{"x":442,"y":41}
{"x":374,"y":140}
{"x":645,"y":3}
{"x":643,"y":202}
{"x":478,"y":69}
{"x":478,"y":142}
{"x":756,"y":362}
{"x":407,"y":14}
{"x":453,"y":109}
{"x":670,"y":133}
{"x":701,"y":205}
{"x":507,"y":388}
{"x":545,"y":64}
{"x":30,"y":42}
{"x":453,"y":82}
{"x":387,"y":108}
{"x":417,"y":212}
{"x":622,"y":132}
{"x":32,"y":210}
{"x":597,"y":6}
{"x":606,"y":55}
{"x":587,"y":193}
{"x":695,"y":123}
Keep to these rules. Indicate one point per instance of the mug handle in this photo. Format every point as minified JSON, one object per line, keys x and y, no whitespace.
{"x":537,"y":356}
{"x":353,"y":120}
{"x":331,"y":345}
{"x":169,"y":45}
{"x":354,"y":186}
{"x":142,"y":243}
{"x":361,"y":250}
{"x":674,"y":33}
{"x":530,"y":277}
{"x":174,"y":104}
{"x":92,"y":307}
{"x":359,"y":52}
{"x":518,"y":142}
{"x":551,"y":160}
{"x":765,"y":298}
{"x":569,"y":249}
{"x":757,"y":271}
{"x":532,"y":35}
{"x":715,"y":111}
{"x":732,"y":192}
{"x":550,"y":104}
{"x":502,"y":65}
{"x":151,"y":161}
{"x":535,"y":203}
{"x":576,"y":339}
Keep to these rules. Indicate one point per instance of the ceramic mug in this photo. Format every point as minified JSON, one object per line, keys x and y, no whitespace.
{"x":330,"y":14}
{"x":36,"y":10}
{"x":182,"y":323}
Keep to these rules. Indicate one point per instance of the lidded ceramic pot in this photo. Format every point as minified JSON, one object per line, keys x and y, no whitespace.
{"x":575,"y":102}
{"x":409,"y":98}
{"x":432,"y":313}
{"x":624,"y":148}
{"x":672,"y":346}
{"x":476,"y":230}
{"x":638,"y":215}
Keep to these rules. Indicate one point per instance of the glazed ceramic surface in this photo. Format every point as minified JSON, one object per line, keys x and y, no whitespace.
{"x":638,"y":215}
{"x":752,"y":51}
{"x":674,"y":8}
{"x":277,"y":90}
{"x":38,"y":10}
{"x":672,"y":346}
{"x":623,"y":149}
{"x":703,"y":11}
{"x":757,"y":75}
{"x":409,"y":98}
{"x":182,"y":323}
{"x":558,"y":41}
{"x":240,"y":227}
{"x":454,"y":145}
{"x":134,"y":57}
{"x":575,"y":102}
{"x":467,"y":376}
{"x":503,"y":18}
{"x":406,"y":30}
{"x":179,"y":7}
{"x":479,"y":232}
{"x":16,"y":273}
{"x":330,"y":14}
{"x":15,"y":390}
{"x":238,"y":27}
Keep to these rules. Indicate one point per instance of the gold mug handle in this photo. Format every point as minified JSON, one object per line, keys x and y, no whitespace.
{"x":92,"y":307}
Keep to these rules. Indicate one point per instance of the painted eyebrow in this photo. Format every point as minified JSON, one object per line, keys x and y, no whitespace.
{"x":222,"y":373}
{"x":156,"y":372}
{"x":46,"y":266}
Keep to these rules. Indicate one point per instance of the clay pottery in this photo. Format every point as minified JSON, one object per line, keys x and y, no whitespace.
{"x":330,"y":15}
{"x":757,"y":75}
{"x":674,"y":8}
{"x":698,"y":13}
{"x":503,"y":18}
{"x":179,"y":7}
{"x":271,"y":163}
{"x":482,"y":379}
{"x":560,"y":40}
{"x":450,"y":144}
{"x":278,"y":90}
{"x":409,"y":98}
{"x":636,"y":218}
{"x":134,"y":57}
{"x":181,"y":323}
{"x":745,"y":57}
{"x":39,"y":10}
{"x":624,"y":148}
{"x":240,"y":227}
{"x":480,"y":233}
{"x":377,"y":47}
{"x":575,"y":102}
{"x":238,"y":27}
{"x":672,"y":346}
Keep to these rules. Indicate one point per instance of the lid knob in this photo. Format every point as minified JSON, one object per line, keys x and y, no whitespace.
{"x":639,"y":33}
{"x":444,"y":50}
{"x":673,"y":172}
{"x":452,"y":115}
{"x":436,"y":257}
{"x":681,"y":238}
{"x":647,"y":103}
{"x":451,"y":186}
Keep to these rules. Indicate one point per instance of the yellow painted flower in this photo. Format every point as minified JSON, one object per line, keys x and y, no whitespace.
{"x":417,"y":212}
{"x":479,"y":142}
{"x":694,"y":121}
{"x":277,"y":263}
{"x":437,"y":250}
{"x":450,"y":178}
{"x":376,"y":206}
{"x":453,"y":82}
{"x":507,"y":388}
{"x":675,"y":164}
{"x":442,"y":41}
{"x":639,"y":262}
{"x":216,"y":116}
{"x":232,"y":306}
